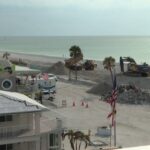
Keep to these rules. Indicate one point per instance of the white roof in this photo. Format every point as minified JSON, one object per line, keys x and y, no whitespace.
{"x":13,"y":102}
{"x":25,"y":70}
{"x":137,"y":148}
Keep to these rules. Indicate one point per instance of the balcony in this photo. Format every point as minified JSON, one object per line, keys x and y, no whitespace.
{"x":13,"y":131}
{"x":46,"y":126}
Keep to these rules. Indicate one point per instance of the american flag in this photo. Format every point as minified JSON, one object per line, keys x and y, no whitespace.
{"x":45,"y":76}
{"x":112,"y":100}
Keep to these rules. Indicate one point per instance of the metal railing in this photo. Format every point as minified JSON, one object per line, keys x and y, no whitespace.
{"x":13,"y":131}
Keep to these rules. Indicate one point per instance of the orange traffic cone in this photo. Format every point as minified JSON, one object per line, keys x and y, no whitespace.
{"x":73,"y":104}
{"x":82,"y":103}
{"x":87,"y":106}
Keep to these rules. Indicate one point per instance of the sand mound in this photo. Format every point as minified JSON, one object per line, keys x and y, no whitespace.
{"x":58,"y":68}
{"x":102,"y":89}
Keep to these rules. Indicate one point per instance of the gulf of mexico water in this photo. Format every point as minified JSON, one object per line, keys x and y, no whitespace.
{"x":93,"y":47}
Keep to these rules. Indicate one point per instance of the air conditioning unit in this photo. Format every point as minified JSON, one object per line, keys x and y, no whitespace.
{"x":8,"y":83}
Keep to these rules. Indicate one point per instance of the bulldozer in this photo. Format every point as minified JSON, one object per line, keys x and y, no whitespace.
{"x":133,"y":67}
{"x":89,"y":65}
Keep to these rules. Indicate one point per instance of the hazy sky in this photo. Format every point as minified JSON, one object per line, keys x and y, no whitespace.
{"x":74,"y":17}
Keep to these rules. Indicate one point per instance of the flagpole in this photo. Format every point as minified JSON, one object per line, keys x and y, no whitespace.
{"x":110,"y":126}
{"x":115,"y":136}
{"x":115,"y":131}
{"x":112,"y":101}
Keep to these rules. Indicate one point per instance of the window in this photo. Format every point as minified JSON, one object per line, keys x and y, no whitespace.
{"x":6,"y":147}
{"x":53,"y":142}
{"x":5,"y":118}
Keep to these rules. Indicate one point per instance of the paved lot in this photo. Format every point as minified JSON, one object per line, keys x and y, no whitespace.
{"x":132,"y":121}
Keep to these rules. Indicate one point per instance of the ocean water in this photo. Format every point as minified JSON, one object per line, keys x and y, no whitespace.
{"x":92,"y":47}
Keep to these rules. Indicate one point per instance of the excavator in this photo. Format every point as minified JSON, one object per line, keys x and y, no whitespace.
{"x":133,"y":67}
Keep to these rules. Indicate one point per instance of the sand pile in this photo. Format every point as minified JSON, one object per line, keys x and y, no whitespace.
{"x":58,"y":68}
{"x":102,"y":89}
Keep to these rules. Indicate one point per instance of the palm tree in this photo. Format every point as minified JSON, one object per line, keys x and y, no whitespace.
{"x":82,"y":138}
{"x":5,"y":55}
{"x":75,"y":54}
{"x":70,"y":135}
{"x":76,"y":136}
{"x":109,"y":64}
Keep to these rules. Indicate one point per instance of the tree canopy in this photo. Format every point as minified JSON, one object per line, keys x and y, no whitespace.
{"x":109,"y":63}
{"x":75,"y":51}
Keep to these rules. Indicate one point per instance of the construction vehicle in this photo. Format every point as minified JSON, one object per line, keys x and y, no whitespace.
{"x":89,"y":65}
{"x":76,"y":64}
{"x":134,"y":68}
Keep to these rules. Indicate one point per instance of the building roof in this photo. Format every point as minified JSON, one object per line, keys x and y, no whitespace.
{"x":25,"y":70}
{"x":12,"y":102}
{"x":137,"y":148}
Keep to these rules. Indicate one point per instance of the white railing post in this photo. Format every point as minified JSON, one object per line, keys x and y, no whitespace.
{"x":59,"y":127}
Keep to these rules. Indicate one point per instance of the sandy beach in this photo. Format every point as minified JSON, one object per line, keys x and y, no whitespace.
{"x":132,"y":120}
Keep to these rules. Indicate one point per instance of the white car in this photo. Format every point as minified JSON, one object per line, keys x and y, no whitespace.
{"x":53,"y":76}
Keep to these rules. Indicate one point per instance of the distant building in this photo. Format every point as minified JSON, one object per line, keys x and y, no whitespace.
{"x":23,"y":127}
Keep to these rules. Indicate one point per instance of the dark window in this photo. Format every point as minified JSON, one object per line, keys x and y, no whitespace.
{"x":2,"y":147}
{"x":6,"y":147}
{"x":9,"y":147}
{"x":53,"y":140}
{"x":9,"y":118}
{"x":2,"y":118}
{"x":5,"y":118}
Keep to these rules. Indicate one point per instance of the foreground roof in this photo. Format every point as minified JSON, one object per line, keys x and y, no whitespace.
{"x":12,"y":102}
{"x":137,"y":148}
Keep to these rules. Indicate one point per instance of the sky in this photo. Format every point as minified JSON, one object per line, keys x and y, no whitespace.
{"x":74,"y":17}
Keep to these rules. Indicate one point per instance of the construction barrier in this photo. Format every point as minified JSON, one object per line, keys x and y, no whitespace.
{"x":64,"y":103}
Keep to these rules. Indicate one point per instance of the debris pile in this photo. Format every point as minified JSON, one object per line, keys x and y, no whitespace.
{"x":133,"y":96}
{"x":127,"y":93}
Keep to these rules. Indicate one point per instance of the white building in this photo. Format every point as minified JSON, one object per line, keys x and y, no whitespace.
{"x":23,"y":127}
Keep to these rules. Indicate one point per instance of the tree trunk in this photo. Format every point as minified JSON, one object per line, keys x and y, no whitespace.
{"x":76,"y":74}
{"x":111,"y":75}
{"x":69,"y":74}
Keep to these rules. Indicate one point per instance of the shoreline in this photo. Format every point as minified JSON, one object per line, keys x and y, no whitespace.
{"x":33,"y":57}
{"x":22,"y":54}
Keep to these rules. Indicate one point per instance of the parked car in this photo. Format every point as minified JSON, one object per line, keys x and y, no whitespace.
{"x":50,"y":75}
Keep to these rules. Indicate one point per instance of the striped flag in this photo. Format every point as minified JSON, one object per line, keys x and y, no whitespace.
{"x":112,"y":100}
{"x":45,"y":76}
